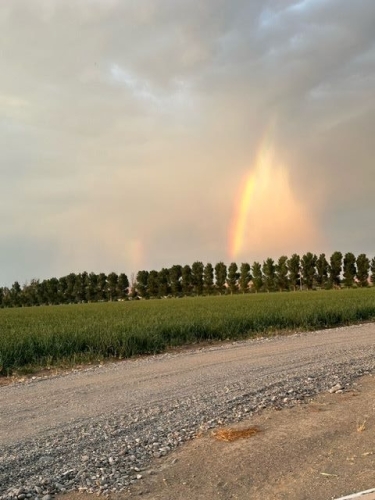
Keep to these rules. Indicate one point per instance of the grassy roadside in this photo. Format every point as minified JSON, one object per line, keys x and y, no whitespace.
{"x":48,"y":336}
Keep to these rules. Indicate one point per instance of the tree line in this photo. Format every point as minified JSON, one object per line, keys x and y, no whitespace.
{"x":70,"y":289}
{"x":295,"y":273}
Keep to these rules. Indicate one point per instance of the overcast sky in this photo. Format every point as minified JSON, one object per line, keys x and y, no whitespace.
{"x":129,"y":130}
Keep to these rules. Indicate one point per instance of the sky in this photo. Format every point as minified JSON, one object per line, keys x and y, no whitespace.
{"x":138,"y":134}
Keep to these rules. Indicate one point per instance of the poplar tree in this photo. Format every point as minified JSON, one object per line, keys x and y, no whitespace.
{"x":372,"y":269}
{"x":335,"y":269}
{"x":52,"y":289}
{"x":308,"y":263}
{"x":322,"y":268}
{"x":197,"y":277}
{"x":15,"y":294}
{"x":163,"y":282}
{"x":232,"y":278}
{"x":70,"y":282}
{"x":245,"y":277}
{"x":78,"y":289}
{"x":294,"y":264}
{"x":32,"y":293}
{"x":112,"y":280}
{"x":269,"y":273}
{"x":92,"y":287}
{"x":186,"y":280}
{"x":103,"y":288}
{"x":257,"y":277}
{"x":175,"y":274}
{"x":208,"y":279}
{"x":220,"y":277}
{"x":282,"y":281}
{"x":350,"y":269}
{"x":122,"y":286}
{"x":153,"y":284}
{"x":363,"y":267}
{"x":141,"y":283}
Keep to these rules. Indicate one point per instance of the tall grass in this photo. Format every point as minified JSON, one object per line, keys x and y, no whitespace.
{"x":42,"y":336}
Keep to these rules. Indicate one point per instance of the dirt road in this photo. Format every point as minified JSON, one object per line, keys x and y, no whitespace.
{"x":175,"y":390}
{"x":320,"y":451}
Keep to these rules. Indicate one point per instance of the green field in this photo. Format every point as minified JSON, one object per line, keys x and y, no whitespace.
{"x":45,"y":336}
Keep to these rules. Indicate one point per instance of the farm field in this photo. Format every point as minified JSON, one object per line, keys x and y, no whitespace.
{"x":45,"y":336}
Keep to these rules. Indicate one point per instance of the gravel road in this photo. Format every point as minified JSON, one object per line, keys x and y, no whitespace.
{"x":98,"y":429}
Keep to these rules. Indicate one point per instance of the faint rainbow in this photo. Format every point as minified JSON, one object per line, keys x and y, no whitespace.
{"x":240,"y":218}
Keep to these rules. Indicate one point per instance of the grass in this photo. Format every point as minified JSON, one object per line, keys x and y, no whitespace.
{"x":361,"y":425}
{"x":230,"y":435}
{"x":47,"y":336}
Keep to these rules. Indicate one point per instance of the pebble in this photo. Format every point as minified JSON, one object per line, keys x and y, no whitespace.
{"x":336,"y":388}
{"x":107,"y":454}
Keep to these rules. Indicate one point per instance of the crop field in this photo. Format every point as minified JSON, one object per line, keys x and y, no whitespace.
{"x":45,"y":336}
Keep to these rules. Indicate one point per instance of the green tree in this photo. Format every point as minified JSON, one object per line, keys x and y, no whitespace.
{"x":372,"y":269}
{"x":7,"y":302}
{"x":31,"y":293}
{"x":102,"y":293}
{"x":175,"y":276}
{"x":70,"y":283}
{"x":62,"y":287}
{"x":257,"y":277}
{"x":245,"y":277}
{"x":269,"y":273}
{"x":335,"y":269}
{"x":232,"y":278}
{"x":208,"y":279}
{"x":92,"y":287}
{"x":122,"y":286}
{"x":112,"y":286}
{"x":16,"y":295}
{"x":220,"y":277}
{"x":41,"y":292}
{"x":294,"y":265}
{"x":350,"y":269}
{"x":153,"y":284}
{"x":163,"y":281}
{"x":322,"y":268}
{"x":186,"y":280}
{"x":85,"y":284}
{"x":52,"y":286}
{"x":282,"y":281}
{"x":363,"y":267}
{"x":133,"y":287}
{"x":308,"y":263}
{"x":141,"y":286}
{"x":197,"y":277}
{"x":79,"y":289}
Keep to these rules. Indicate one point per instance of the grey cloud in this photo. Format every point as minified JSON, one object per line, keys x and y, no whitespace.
{"x":148,"y":114}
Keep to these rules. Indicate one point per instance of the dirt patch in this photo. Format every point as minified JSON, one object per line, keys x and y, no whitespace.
{"x":321,"y":450}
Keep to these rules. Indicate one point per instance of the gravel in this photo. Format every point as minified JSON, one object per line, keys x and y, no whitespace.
{"x":108,"y":452}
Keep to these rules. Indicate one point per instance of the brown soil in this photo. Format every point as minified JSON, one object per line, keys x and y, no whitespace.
{"x":321,"y":450}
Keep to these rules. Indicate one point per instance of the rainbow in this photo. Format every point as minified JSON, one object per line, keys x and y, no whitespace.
{"x":269,"y":214}
{"x":239,"y":226}
{"x":256,"y":178}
